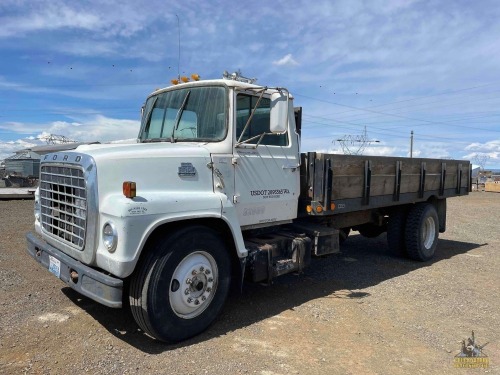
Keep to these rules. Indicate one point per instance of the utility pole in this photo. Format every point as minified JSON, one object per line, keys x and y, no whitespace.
{"x":411,"y":145}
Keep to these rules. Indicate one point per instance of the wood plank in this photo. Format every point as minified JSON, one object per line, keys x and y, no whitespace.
{"x":349,"y":170}
{"x":493,"y":187}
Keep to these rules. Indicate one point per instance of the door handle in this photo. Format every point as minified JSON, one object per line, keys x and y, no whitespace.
{"x":294,"y":167}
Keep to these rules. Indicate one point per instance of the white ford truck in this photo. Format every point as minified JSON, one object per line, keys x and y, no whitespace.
{"x":216,"y":191}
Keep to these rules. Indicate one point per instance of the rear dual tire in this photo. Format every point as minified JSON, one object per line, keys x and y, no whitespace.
{"x":421,"y":232}
{"x":414,"y":233}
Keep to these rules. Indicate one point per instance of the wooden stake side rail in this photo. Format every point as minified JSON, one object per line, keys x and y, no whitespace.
{"x":344,"y":183}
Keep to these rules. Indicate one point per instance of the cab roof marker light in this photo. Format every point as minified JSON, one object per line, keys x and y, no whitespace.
{"x":184,"y":79}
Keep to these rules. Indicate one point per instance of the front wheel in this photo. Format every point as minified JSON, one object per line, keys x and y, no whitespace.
{"x":181,"y":284}
{"x":421,"y":232}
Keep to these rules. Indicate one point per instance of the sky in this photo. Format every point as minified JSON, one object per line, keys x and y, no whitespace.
{"x":372,"y":70}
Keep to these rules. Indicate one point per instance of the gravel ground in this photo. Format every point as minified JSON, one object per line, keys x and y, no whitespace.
{"x":359,"y":312}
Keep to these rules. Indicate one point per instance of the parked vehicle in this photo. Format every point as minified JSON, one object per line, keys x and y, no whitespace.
{"x":216,"y":191}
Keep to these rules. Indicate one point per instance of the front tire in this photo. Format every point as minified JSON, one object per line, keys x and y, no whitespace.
{"x":181,"y":284}
{"x":422,"y":231}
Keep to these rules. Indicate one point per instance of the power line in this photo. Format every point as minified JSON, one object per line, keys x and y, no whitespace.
{"x":473,"y":117}
{"x":355,"y":124}
{"x":393,"y":115}
{"x":438,"y":106}
{"x":425,"y":96}
{"x":381,"y":131}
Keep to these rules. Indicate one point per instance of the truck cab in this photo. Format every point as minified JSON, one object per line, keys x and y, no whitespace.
{"x":249,"y":132}
{"x":216,"y":157}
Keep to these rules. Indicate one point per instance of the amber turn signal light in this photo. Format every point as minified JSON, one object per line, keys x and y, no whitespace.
{"x":129,"y":189}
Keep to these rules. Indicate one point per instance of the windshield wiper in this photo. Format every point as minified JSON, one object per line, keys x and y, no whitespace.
{"x":179,"y":116}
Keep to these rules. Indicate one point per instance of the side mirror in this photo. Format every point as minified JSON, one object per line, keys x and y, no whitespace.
{"x":279,"y":113}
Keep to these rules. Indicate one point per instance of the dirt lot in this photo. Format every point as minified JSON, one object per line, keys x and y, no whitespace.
{"x":360,"y":312}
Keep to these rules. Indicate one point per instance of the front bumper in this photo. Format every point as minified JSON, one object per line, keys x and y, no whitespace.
{"x":105,"y":289}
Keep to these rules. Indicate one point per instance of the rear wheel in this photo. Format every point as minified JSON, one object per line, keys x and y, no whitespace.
{"x":181,"y":284}
{"x":422,"y":231}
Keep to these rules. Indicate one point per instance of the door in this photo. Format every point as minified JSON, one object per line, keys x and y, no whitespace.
{"x":266,"y":174}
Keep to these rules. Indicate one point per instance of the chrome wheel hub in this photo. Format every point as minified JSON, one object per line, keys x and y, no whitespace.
{"x":428,"y":232}
{"x":193,"y":284}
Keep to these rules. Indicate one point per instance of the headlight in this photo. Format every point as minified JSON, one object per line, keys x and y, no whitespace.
{"x":109,"y":236}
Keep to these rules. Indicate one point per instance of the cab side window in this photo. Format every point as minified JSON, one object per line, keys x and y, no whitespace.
{"x":259,"y":124}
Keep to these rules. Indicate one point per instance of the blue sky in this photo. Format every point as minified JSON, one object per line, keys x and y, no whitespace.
{"x":82,"y":69}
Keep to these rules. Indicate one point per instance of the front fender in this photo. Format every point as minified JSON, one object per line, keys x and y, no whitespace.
{"x":136,"y":219}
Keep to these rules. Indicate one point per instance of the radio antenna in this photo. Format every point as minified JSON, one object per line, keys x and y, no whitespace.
{"x":179,"y":55}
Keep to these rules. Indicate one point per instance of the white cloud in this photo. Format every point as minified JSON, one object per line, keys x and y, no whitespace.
{"x":433,"y":150}
{"x":256,"y":47}
{"x":107,"y":19}
{"x":9,"y":148}
{"x":381,"y":151}
{"x":286,"y":60}
{"x":20,"y":127}
{"x":487,"y":147}
{"x":490,"y":151}
{"x":96,"y":128}
{"x":48,"y":17}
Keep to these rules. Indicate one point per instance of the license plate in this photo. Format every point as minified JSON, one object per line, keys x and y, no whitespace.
{"x":55,"y":266}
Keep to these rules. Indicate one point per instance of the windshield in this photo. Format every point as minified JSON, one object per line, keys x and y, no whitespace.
{"x":189,"y":114}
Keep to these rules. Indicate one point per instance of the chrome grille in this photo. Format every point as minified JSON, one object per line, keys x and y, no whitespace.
{"x":63,"y":201}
